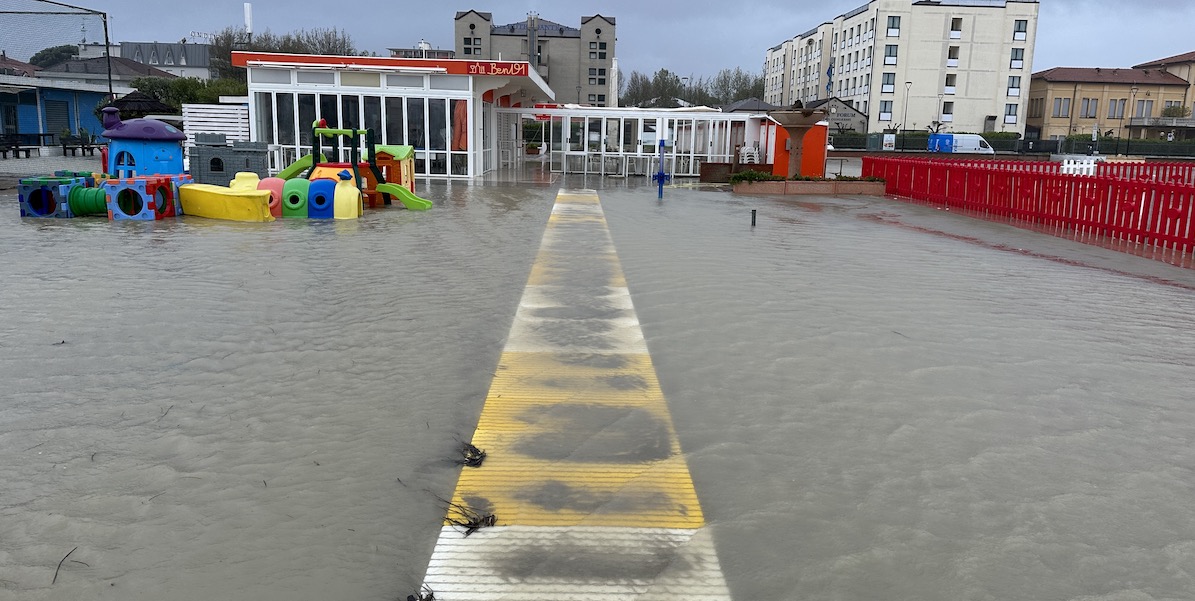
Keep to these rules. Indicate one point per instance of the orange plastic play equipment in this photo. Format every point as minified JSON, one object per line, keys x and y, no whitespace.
{"x":332,"y":171}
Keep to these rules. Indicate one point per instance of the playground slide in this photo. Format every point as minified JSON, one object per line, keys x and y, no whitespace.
{"x":299,"y":166}
{"x":408,"y":198}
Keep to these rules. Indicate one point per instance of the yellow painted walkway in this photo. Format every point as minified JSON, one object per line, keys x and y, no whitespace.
{"x":592,"y":496}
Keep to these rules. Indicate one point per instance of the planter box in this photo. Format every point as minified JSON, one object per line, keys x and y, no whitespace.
{"x":760,"y":188}
{"x":819,"y":188}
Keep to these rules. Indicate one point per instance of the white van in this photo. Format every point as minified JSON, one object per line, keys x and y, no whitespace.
{"x":971,"y":144}
{"x":960,"y":144}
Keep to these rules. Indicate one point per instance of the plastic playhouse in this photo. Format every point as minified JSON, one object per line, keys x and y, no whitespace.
{"x":386,"y":172}
{"x":143,"y":179}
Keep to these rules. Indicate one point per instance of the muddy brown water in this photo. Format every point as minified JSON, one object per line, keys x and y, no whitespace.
{"x":876,"y":400}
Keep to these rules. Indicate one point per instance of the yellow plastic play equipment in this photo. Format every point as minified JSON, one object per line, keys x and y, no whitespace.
{"x":348,"y":201}
{"x":376,"y":183}
{"x":218,"y":202}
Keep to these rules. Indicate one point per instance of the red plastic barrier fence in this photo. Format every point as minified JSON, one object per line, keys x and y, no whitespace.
{"x":1171,"y":173}
{"x":1134,"y":204}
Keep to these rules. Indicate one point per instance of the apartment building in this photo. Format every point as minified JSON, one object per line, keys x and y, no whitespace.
{"x":579,"y":64}
{"x":953,"y":65}
{"x":1132,"y":103}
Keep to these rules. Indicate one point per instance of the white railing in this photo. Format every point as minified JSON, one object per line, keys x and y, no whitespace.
{"x":1079,"y":166}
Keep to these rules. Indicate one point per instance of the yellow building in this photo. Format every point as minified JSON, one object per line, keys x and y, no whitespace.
{"x":1180,"y":122}
{"x":1126,"y":103}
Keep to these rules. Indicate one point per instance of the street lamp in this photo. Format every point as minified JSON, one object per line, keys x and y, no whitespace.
{"x":940,"y":97}
{"x":904,"y":120}
{"x":1132,"y":105}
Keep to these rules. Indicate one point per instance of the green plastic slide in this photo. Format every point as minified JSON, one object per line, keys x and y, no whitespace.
{"x":299,"y":166}
{"x":408,"y":198}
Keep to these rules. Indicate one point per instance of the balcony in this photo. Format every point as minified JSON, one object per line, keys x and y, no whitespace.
{"x":891,"y":60}
{"x":1176,"y":122}
{"x":1016,"y":64}
{"x":1010,"y":119}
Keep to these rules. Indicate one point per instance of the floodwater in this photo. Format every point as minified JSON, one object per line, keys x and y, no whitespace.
{"x":876,"y":400}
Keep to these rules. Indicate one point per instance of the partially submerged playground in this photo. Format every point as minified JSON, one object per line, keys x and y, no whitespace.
{"x":143,"y":179}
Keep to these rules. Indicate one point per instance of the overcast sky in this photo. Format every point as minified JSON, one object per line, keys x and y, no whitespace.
{"x":688,"y":37}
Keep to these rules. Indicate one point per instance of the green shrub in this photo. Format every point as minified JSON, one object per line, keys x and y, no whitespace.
{"x":754,"y":176}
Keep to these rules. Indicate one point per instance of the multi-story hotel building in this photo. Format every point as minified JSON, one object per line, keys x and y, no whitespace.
{"x":578,"y":63}
{"x":957,"y":65}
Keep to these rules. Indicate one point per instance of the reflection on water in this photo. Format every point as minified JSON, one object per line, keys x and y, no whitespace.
{"x":915,"y":407}
{"x":877,"y":400}
{"x":254,"y":411}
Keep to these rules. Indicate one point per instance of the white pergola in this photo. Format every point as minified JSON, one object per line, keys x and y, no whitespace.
{"x":625,"y":141}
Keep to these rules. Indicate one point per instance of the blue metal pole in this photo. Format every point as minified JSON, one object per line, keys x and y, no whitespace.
{"x":660,"y":176}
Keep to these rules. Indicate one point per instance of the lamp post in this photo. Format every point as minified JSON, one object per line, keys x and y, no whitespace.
{"x":940,"y":97}
{"x":904,"y":120}
{"x":1133,"y":106}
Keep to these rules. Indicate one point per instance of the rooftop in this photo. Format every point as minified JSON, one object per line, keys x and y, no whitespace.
{"x":12,"y":66}
{"x":121,"y":67}
{"x":1188,"y":57}
{"x":1102,"y":75}
{"x":546,"y":28}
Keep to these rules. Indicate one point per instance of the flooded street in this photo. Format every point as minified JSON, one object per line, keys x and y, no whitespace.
{"x":875,"y":400}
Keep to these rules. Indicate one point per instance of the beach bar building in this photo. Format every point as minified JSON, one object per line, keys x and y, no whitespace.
{"x":466,"y":118}
{"x":444,"y":108}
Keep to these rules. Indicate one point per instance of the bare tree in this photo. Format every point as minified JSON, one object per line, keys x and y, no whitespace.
{"x":305,"y":41}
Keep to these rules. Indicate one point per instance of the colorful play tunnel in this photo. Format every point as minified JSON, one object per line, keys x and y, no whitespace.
{"x":321,"y":197}
{"x":294,"y":198}
{"x":50,"y":197}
